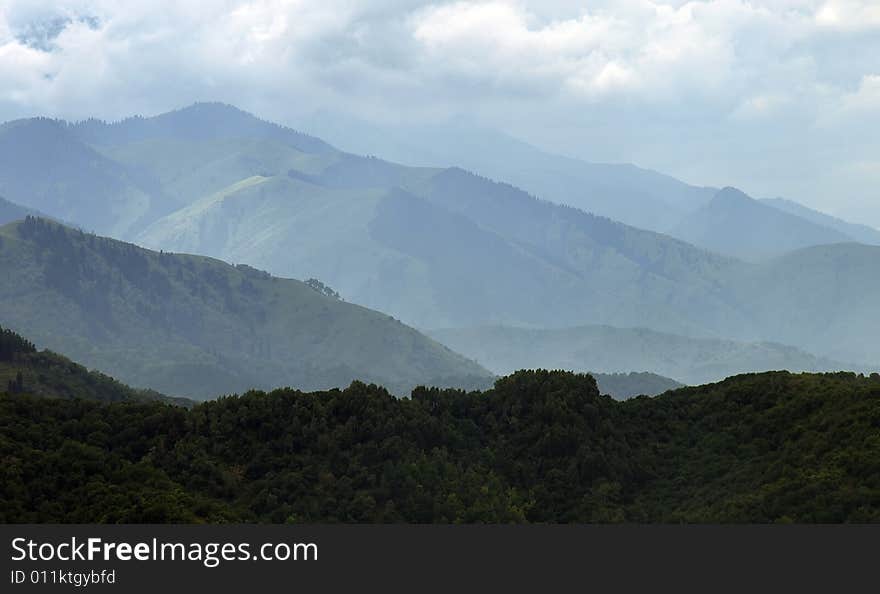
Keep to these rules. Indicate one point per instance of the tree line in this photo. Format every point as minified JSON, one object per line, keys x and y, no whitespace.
{"x":540,"y":446}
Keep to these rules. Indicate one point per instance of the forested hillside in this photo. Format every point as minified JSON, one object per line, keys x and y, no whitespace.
{"x":197,"y":327}
{"x":538,"y":447}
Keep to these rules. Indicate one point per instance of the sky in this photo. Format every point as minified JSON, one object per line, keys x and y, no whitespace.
{"x":777,"y":97}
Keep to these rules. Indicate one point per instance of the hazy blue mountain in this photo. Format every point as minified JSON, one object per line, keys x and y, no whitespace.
{"x":821,"y":298}
{"x":448,"y":248}
{"x":44,"y":166}
{"x":628,"y":385}
{"x":859,"y":233}
{"x":624,"y":192}
{"x":199,"y":150}
{"x":633,"y":195}
{"x":735,"y":224}
{"x":608,"y":349}
{"x":194,"y":326}
{"x":452,"y":248}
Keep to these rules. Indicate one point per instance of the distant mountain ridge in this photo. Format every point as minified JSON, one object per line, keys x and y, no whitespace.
{"x":447,"y":248}
{"x":607,"y":349}
{"x":197,"y":327}
{"x":733,"y":223}
{"x":622,"y":386}
{"x":44,"y":166}
{"x":860,"y":233}
{"x":632,"y":195}
{"x":624,"y":192}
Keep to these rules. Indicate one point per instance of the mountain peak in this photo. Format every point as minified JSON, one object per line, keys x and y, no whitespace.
{"x":731,"y":194}
{"x":198,"y":122}
{"x":211,"y":110}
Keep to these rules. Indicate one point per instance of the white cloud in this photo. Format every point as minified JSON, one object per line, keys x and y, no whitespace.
{"x":849,"y":14}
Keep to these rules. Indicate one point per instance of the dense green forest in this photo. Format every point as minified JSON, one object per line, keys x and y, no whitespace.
{"x":540,"y":446}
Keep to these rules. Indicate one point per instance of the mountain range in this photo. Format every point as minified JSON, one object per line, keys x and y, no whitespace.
{"x":633,"y":195}
{"x":624,"y":192}
{"x":444,"y":247}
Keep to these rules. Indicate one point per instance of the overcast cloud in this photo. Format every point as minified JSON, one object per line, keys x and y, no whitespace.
{"x":778,"y":97}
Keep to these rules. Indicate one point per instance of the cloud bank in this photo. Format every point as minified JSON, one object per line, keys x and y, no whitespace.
{"x":779,"y":97}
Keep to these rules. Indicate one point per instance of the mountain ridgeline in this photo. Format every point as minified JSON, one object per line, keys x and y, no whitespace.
{"x":445,"y":248}
{"x":538,"y":447}
{"x":735,"y":224}
{"x":12,"y":212}
{"x":197,"y":327}
{"x":505,"y":349}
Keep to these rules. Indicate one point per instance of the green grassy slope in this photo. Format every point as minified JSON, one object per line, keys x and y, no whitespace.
{"x":538,"y":447}
{"x":193,"y":326}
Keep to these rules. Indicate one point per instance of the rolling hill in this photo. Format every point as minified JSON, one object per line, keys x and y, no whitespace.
{"x":606,"y":349}
{"x":198,"y":327}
